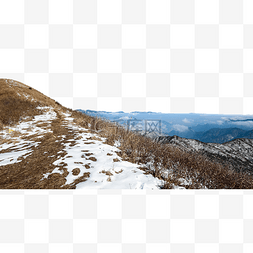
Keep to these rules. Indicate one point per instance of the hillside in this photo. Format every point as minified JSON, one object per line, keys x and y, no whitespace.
{"x":238,"y":153}
{"x":44,"y":145}
{"x":47,"y":148}
{"x":219,"y":135}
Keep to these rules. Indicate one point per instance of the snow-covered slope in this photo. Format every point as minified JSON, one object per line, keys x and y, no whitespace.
{"x":87,"y":153}
{"x":238,"y":153}
{"x":50,"y":150}
{"x":84,"y":155}
{"x":44,"y":145}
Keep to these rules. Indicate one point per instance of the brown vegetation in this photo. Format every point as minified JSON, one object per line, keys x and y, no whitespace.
{"x":164,"y":161}
{"x":17,"y":101}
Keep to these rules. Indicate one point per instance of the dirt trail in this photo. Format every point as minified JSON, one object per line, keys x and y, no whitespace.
{"x":28,"y":173}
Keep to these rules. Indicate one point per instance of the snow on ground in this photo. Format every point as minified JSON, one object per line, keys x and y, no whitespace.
{"x":106,"y":168}
{"x":30,"y":127}
{"x":15,"y":146}
{"x":23,"y":148}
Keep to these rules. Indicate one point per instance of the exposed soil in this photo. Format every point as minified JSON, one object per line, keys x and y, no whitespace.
{"x":21,"y":103}
{"x":28,"y":173}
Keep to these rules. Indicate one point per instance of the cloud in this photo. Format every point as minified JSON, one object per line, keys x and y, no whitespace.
{"x":180,"y":128}
{"x":243,"y":123}
{"x":124,"y":118}
{"x":186,"y":120}
{"x":237,"y":118}
{"x":220,"y":122}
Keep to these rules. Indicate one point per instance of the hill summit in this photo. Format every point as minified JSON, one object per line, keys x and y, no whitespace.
{"x":44,"y":145}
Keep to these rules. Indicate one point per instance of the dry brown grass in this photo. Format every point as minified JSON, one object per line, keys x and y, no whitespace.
{"x":14,"y":106}
{"x":118,"y":172}
{"x":76,"y":171}
{"x":28,"y":173}
{"x":106,"y":172}
{"x":94,"y":159}
{"x":163,"y":161}
{"x":166,"y":161}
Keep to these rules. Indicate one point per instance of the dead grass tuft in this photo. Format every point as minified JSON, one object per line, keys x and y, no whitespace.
{"x":118,"y":172}
{"x":87,"y":166}
{"x":88,"y":154}
{"x":76,"y":171}
{"x":94,"y":159}
{"x":106,"y":172}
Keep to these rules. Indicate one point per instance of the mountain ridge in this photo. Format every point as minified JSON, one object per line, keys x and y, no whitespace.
{"x":44,"y":145}
{"x":237,"y":152}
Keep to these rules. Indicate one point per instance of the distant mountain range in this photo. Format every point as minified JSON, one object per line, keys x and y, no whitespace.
{"x":44,"y":145}
{"x":219,"y":135}
{"x":202,"y":127}
{"x":237,"y":153}
{"x":225,"y":139}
